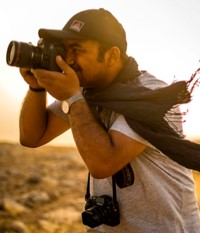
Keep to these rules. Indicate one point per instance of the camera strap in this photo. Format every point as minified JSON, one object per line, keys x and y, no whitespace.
{"x":125,"y":177}
{"x":87,"y":195}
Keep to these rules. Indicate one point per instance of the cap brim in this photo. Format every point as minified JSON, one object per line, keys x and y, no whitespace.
{"x":58,"y":34}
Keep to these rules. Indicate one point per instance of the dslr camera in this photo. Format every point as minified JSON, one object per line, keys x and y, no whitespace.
{"x":42,"y":56}
{"x":101,"y":210}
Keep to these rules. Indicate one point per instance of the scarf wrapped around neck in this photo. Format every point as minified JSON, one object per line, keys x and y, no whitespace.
{"x":145,"y":109}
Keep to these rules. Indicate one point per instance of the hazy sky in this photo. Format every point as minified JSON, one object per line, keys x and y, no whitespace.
{"x":162,"y":35}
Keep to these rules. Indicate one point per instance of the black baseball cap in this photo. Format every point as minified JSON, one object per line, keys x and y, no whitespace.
{"x":92,"y":24}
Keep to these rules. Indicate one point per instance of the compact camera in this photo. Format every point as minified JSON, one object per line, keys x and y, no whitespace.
{"x":101,"y":210}
{"x":42,"y":56}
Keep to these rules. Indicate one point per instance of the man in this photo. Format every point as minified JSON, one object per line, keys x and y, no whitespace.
{"x":160,"y":194}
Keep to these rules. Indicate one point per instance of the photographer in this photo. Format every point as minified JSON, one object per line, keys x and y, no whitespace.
{"x":109,"y":105}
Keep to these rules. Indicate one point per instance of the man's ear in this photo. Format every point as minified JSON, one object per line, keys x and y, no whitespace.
{"x":113,"y":55}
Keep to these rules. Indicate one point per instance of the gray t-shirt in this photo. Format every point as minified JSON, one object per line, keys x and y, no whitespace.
{"x":162,"y":198}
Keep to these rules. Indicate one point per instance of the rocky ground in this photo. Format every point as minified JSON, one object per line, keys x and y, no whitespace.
{"x":42,"y":190}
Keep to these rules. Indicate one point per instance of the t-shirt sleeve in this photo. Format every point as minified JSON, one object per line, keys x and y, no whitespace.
{"x":122,"y":126}
{"x":55,"y":107}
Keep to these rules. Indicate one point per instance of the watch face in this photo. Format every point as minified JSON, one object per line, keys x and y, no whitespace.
{"x":65,"y":106}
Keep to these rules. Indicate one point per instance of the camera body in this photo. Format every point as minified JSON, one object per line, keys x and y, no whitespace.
{"x":42,"y":56}
{"x":101,"y":210}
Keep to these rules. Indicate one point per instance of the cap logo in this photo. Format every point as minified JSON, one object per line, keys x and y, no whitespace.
{"x":76,"y":25}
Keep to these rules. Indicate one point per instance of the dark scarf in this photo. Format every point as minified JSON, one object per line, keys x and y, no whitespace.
{"x":144,"y":110}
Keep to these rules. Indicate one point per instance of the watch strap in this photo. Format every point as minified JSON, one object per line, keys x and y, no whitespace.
{"x":39,"y":89}
{"x":75,"y":98}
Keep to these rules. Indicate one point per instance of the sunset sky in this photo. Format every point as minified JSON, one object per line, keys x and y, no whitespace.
{"x":162,"y":35}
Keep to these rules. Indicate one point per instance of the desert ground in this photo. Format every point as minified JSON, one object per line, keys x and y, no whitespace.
{"x":42,"y":190}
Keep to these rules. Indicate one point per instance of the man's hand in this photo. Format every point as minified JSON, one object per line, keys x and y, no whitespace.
{"x":29,"y":78}
{"x":60,"y":85}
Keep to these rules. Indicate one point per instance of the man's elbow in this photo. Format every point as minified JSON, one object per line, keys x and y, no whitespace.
{"x":101,"y":172}
{"x":27,"y":143}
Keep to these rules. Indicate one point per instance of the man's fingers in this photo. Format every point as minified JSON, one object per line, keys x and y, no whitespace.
{"x":63,"y":65}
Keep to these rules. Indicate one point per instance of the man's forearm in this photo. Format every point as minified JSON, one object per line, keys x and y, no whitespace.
{"x":93,"y":142}
{"x":33,"y":117}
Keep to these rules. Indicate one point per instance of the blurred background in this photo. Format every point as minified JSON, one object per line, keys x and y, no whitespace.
{"x":163,"y":36}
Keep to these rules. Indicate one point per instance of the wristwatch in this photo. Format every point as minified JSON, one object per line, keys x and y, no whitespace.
{"x":66,"y":104}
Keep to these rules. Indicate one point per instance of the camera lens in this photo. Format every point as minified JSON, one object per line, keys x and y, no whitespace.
{"x":94,"y":216}
{"x":11,"y":54}
{"x":22,"y":54}
{"x":43,"y":56}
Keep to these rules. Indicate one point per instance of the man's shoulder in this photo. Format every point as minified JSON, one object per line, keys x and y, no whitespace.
{"x":148,"y":80}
